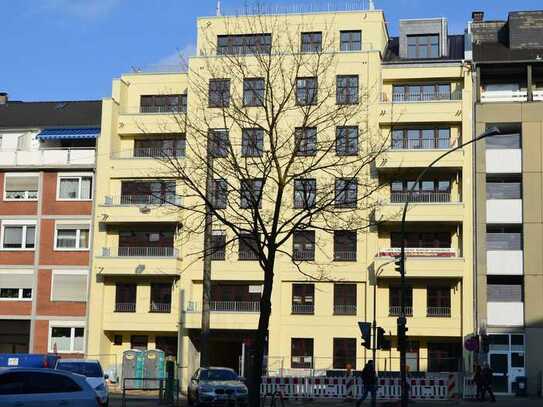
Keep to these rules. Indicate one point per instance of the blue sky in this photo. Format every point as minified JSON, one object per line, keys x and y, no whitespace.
{"x":71,"y":49}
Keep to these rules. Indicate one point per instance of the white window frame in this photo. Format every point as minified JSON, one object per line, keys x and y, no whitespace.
{"x":79,"y":176}
{"x":21,"y":174}
{"x":69,"y":272}
{"x":66,"y":324}
{"x":24,"y":224}
{"x":83,"y":226}
{"x":20,"y":297}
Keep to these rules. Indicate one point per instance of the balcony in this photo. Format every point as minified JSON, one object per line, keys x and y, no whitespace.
{"x":505,"y":313}
{"x":140,"y":208}
{"x":141,"y":200}
{"x":422,"y":263}
{"x":49,"y":157}
{"x":160,"y":307}
{"x":150,"y":120}
{"x":504,"y":96}
{"x":225,"y":314}
{"x":420,"y":197}
{"x":304,"y":309}
{"x":303,"y":255}
{"x":247,"y":255}
{"x":344,"y":309}
{"x":423,"y":207}
{"x":422,"y":97}
{"x":344,"y":255}
{"x":139,"y":252}
{"x":438,"y":312}
{"x":125,"y":307}
{"x":419,"y":252}
{"x":138,"y":261}
{"x":418,"y":157}
{"x":411,"y":110}
{"x":504,"y":262}
{"x":395,"y":311}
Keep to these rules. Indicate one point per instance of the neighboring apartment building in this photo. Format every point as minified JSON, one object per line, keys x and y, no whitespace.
{"x":508,"y":83}
{"x":146,"y":286}
{"x":47,"y":156}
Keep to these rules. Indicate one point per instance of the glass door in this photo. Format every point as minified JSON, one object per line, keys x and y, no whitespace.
{"x":499,"y":363}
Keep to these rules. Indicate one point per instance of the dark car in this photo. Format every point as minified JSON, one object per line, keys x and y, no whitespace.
{"x":217,"y":386}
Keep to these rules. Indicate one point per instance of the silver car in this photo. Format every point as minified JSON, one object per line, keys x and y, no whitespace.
{"x":217,"y":386}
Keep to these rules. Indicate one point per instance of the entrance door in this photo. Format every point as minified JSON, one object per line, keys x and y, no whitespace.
{"x":499,"y":363}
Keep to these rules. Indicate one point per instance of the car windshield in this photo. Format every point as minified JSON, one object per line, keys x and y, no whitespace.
{"x":82,"y":368}
{"x":218,"y":374}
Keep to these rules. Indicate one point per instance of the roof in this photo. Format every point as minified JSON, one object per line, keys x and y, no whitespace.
{"x":497,"y":51}
{"x":455,"y":44}
{"x":85,"y":113}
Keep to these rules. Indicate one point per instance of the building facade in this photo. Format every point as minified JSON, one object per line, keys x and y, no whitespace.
{"x":146,"y":285}
{"x":47,"y":156}
{"x":509,"y":90}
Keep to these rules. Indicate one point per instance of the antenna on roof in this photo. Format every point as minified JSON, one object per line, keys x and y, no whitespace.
{"x":218,"y":9}
{"x":371,"y":5}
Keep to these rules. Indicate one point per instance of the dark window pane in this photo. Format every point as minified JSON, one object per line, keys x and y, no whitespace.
{"x":350,"y":40}
{"x":252,"y":143}
{"x":219,"y":93}
{"x":306,"y":91}
{"x":305,"y":193}
{"x":312,"y":42}
{"x":344,"y":353}
{"x":305,"y":141}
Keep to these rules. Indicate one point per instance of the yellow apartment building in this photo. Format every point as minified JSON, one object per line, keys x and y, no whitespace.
{"x":414,"y":97}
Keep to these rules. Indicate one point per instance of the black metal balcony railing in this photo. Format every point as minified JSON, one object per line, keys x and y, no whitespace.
{"x":303,"y":255}
{"x":345,"y":255}
{"x":247,"y":255}
{"x":139,"y":252}
{"x":157,"y":152}
{"x":420,"y":197}
{"x":235,"y":306}
{"x":425,"y":144}
{"x":395,"y":310}
{"x":163,"y":109}
{"x":303,"y":308}
{"x":424,"y":97}
{"x":142,"y":200}
{"x":345,"y":309}
{"x":125,"y":307}
{"x":440,"y":312}
{"x":218,"y":255}
{"x":160,"y":307}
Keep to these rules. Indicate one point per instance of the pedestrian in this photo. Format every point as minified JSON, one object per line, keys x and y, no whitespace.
{"x":478,"y":380}
{"x":369,"y":380}
{"x":486,"y":375}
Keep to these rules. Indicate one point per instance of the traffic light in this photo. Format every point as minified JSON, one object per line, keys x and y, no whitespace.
{"x":398,"y":264}
{"x":365,"y":329}
{"x":485,"y":344}
{"x":402,"y":328}
{"x":382,"y":342}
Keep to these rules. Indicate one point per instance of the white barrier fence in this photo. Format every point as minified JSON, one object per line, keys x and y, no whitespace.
{"x":351,"y":387}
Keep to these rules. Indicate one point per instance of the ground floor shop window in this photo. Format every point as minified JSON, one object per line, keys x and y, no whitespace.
{"x":444,"y":356}
{"x":138,"y":342}
{"x":66,"y":339}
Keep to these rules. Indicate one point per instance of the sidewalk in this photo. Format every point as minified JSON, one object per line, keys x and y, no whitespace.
{"x":500,"y":402}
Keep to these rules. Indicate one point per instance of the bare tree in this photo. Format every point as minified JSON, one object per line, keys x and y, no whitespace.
{"x":288,"y":145}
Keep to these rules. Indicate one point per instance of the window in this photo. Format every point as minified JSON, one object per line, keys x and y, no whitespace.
{"x":312,"y":42}
{"x":346,"y":193}
{"x":141,"y":241}
{"x":303,"y":245}
{"x":421,"y":139}
{"x":118,"y":340}
{"x":305,"y":193}
{"x":427,"y":190}
{"x":505,"y":289}
{"x":347,"y":89}
{"x":394,"y":301}
{"x":252,"y":142}
{"x":72,"y":237}
{"x":345,"y":299}
{"x":219,"y":93}
{"x":68,"y":285}
{"x":305,"y":141}
{"x":344,"y":245}
{"x":148,"y":192}
{"x":21,"y":186}
{"x":253,"y":92}
{"x":422,"y":92}
{"x":15,"y":293}
{"x":125,"y":297}
{"x":350,"y":40}
{"x":251,"y":193}
{"x":438,"y":302}
{"x":444,"y":356}
{"x":139,"y":342}
{"x":507,"y":237}
{"x":306,"y":91}
{"x":248,"y":247}
{"x":344,"y":353}
{"x":160,"y":148}
{"x":66,"y":339}
{"x":163,"y":103}
{"x":423,"y":46}
{"x":16,"y":284}
{"x":76,"y":187}
{"x":17,"y":236}
{"x":503,"y":187}
{"x":161,"y":297}
{"x":244,"y":44}
{"x":303,"y":296}
{"x":504,"y":142}
{"x":301,"y":353}
{"x":422,"y":239}
{"x":218,"y":245}
{"x":220,"y":193}
{"x":240,"y":293}
{"x":220,"y":142}
{"x":347,"y":140}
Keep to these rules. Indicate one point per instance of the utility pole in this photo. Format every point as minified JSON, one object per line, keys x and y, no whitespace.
{"x":208,"y":249}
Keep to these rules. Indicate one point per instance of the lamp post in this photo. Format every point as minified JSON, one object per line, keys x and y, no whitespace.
{"x":402,"y":322}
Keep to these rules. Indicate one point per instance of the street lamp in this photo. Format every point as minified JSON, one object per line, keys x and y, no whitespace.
{"x":402,"y":322}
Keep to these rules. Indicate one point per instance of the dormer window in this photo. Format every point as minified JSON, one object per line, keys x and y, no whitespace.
{"x":423,"y":46}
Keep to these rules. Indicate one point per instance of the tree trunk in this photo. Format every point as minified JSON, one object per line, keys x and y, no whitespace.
{"x":255,"y":373}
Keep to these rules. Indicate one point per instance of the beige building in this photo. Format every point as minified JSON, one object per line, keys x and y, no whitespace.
{"x":413,"y":93}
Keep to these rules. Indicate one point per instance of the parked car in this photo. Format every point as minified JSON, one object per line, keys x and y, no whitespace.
{"x":209,"y":386}
{"x":44,"y":388}
{"x":92,"y":370}
{"x":27,"y":360}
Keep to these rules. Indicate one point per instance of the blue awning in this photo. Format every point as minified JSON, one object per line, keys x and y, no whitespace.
{"x":69,"y":133}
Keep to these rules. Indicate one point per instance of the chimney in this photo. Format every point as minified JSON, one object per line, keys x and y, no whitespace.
{"x":478,"y":16}
{"x":3,"y":98}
